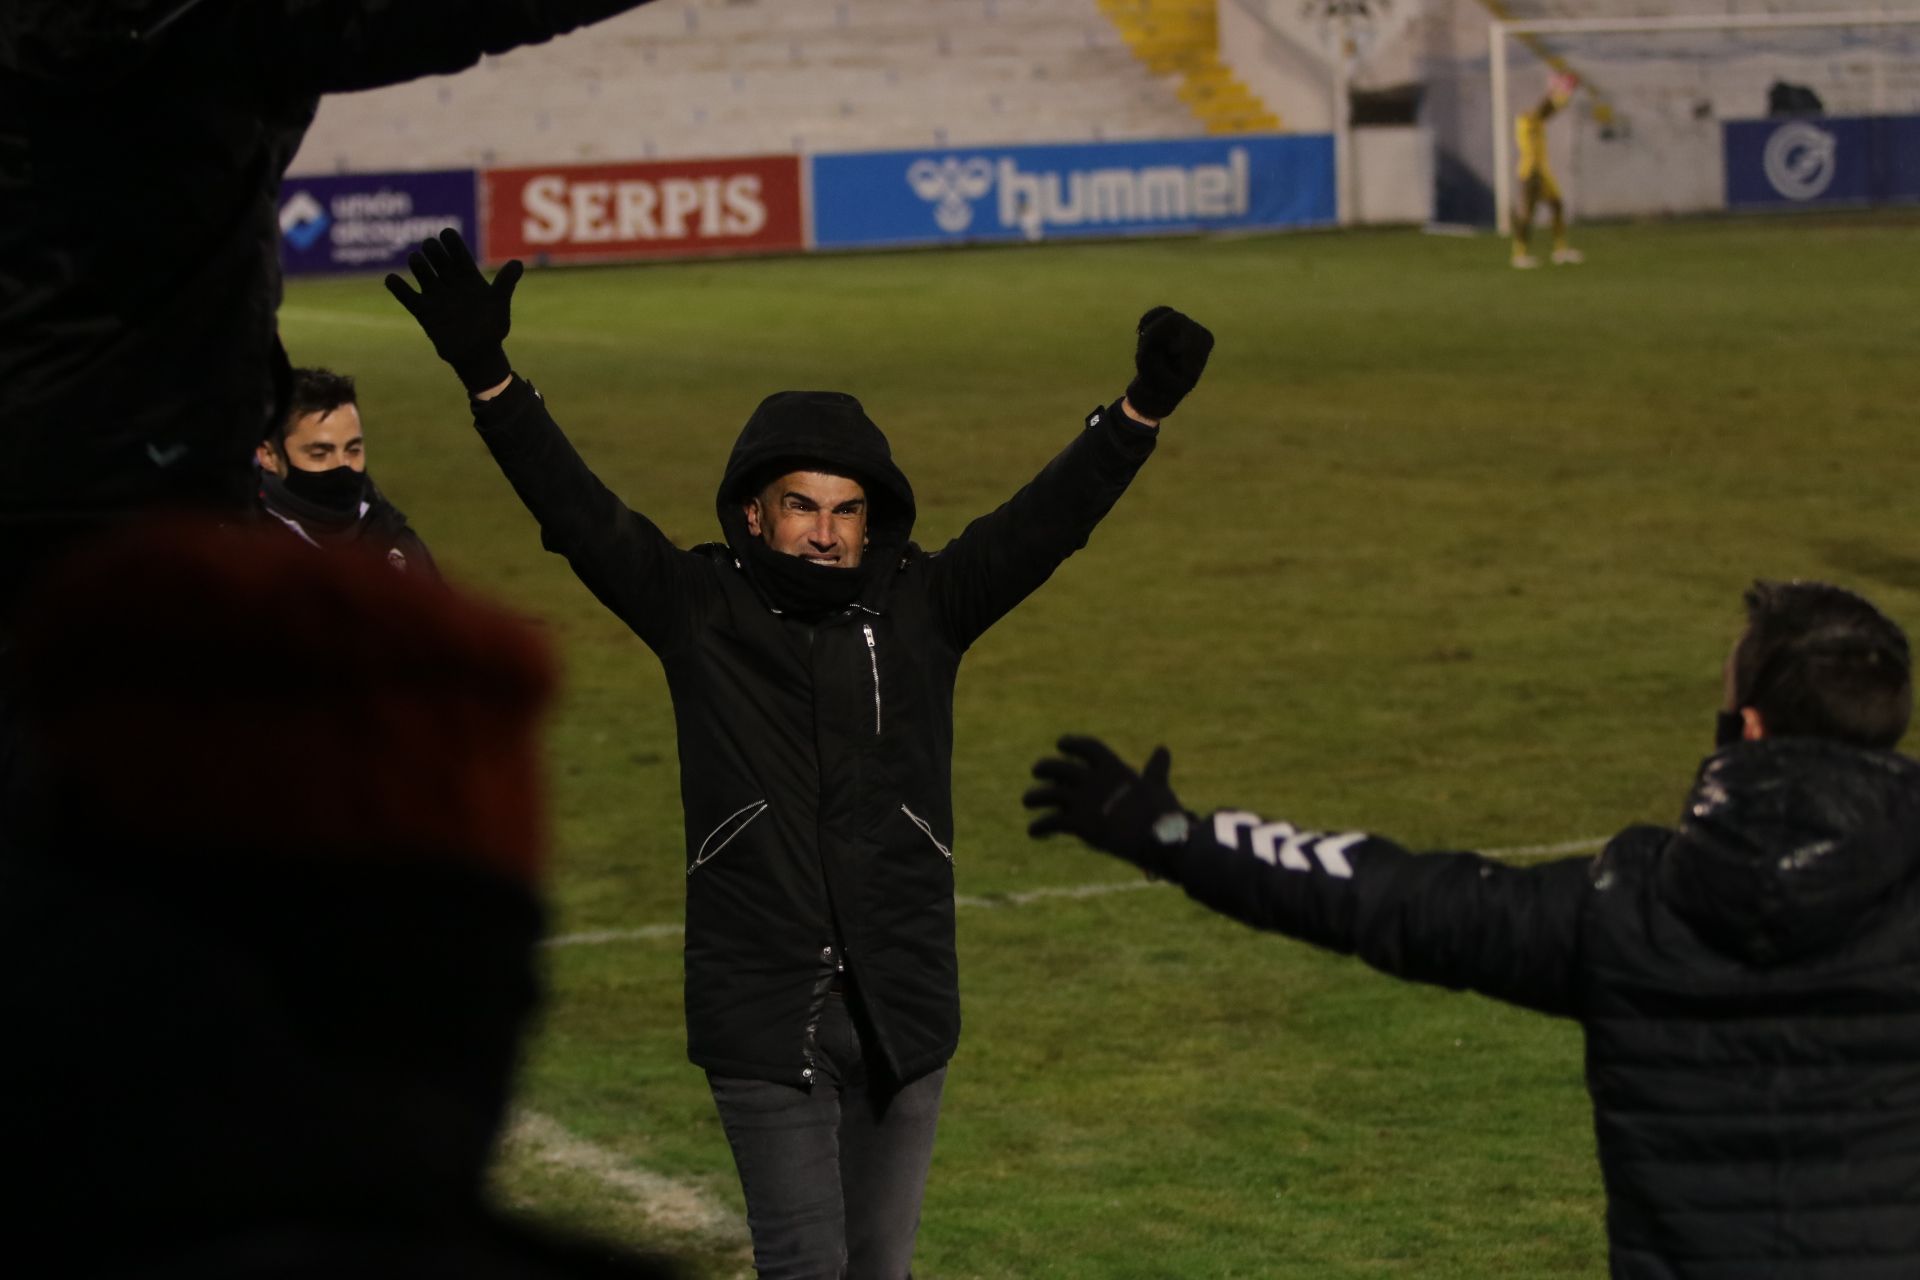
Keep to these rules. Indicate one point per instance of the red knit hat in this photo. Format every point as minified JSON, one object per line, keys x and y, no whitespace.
{"x":188,"y":685}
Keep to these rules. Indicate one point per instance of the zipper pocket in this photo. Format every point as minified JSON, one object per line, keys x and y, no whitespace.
{"x":927,"y":830}
{"x":750,"y":812}
{"x":873,"y":660}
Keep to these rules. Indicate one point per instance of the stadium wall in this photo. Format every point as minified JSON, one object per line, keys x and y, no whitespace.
{"x":836,"y":201}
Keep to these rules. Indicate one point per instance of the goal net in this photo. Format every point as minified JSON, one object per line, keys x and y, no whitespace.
{"x":1693,"y":111}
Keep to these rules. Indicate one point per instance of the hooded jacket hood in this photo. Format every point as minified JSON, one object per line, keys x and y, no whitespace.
{"x":1788,"y":842}
{"x":819,"y":431}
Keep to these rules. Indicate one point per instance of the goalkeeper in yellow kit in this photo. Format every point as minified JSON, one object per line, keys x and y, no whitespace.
{"x":1537,"y":186}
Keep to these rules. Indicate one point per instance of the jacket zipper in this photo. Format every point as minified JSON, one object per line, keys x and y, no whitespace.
{"x":927,"y":829}
{"x":873,"y":660}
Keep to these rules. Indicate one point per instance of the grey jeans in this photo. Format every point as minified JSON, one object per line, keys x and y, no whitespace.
{"x":833,"y":1173}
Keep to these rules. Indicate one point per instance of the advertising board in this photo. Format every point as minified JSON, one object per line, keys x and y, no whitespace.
{"x":369,"y":221}
{"x":644,"y":210}
{"x":958,"y":195}
{"x":1821,"y":160}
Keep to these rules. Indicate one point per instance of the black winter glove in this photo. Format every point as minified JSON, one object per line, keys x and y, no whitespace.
{"x":466,"y":317}
{"x":1168,"y":361}
{"x":1093,"y":794}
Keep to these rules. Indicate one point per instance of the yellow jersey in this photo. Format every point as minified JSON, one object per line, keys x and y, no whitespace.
{"x":1530,"y":134}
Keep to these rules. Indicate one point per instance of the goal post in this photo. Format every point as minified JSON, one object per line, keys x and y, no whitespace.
{"x":1549,"y":38}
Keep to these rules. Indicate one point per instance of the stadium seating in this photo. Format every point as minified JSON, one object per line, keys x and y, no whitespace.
{"x":684,"y":78}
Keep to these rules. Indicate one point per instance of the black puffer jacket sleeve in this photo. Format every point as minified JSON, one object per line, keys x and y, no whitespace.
{"x":621,"y":556}
{"x":1003,"y":556}
{"x":1452,"y":919}
{"x":331,"y":46}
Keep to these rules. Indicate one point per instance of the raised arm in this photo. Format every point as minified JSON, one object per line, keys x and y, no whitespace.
{"x":1456,"y":920}
{"x":1000,"y":558}
{"x":620,"y":555}
{"x":331,"y":46}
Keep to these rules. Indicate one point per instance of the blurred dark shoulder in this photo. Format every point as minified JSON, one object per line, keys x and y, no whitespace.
{"x":53,"y":37}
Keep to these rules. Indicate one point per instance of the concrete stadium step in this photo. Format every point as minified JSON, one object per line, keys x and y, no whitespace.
{"x":729,"y":77}
{"x":1181,"y":38}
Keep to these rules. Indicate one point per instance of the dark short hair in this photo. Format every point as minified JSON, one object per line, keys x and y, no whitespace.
{"x":1820,"y":661}
{"x":756,"y":481}
{"x":314,"y":391}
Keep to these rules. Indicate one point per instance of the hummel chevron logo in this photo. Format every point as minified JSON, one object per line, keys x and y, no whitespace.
{"x":1282,"y":844}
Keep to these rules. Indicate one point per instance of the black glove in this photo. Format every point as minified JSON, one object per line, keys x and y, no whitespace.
{"x":1093,"y":794}
{"x":1168,"y":361}
{"x":466,"y":317}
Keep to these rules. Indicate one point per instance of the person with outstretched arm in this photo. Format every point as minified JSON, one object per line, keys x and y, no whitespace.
{"x":811,"y":656}
{"x":1748,"y":980}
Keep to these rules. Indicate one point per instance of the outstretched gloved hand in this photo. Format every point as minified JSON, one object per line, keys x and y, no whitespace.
{"x":1092,"y":793}
{"x":466,"y":317}
{"x":1168,"y":361}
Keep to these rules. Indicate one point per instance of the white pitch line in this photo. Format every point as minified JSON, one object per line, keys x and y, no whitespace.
{"x":1026,"y":897}
{"x":1098,"y":889}
{"x":591,"y":937}
{"x":666,"y":1203}
{"x":1593,"y":845}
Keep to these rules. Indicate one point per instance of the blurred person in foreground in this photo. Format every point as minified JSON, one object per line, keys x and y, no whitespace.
{"x":1537,"y":184}
{"x":811,"y":657}
{"x":314,"y":479}
{"x":142,"y":144}
{"x":259,"y":1027}
{"x":1748,"y":981}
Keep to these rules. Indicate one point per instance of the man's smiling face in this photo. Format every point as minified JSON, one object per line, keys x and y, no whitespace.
{"x":819,"y":517}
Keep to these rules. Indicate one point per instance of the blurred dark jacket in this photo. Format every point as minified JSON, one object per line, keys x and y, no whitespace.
{"x":267,"y":945}
{"x":1749,"y":984}
{"x":142,"y":144}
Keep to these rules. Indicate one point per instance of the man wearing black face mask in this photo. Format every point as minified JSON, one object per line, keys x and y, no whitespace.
{"x":1746,"y":980}
{"x":313,"y":477}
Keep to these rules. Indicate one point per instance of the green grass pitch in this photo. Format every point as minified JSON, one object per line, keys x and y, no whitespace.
{"x":1440,"y":549}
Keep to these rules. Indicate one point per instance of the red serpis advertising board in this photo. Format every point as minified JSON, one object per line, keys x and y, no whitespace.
{"x":671,"y":208}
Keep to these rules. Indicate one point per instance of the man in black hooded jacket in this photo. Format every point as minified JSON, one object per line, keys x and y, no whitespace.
{"x":811,"y":658}
{"x":1749,"y":982}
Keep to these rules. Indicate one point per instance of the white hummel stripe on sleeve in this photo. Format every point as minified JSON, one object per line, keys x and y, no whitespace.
{"x":1228,"y":823}
{"x":1285,"y":845}
{"x":1333,"y":853}
{"x":1266,"y":838}
{"x":1289,"y":849}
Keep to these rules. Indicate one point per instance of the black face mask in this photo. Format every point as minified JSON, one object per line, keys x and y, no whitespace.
{"x":341,"y":489}
{"x":1729,"y":727}
{"x":798,"y":586}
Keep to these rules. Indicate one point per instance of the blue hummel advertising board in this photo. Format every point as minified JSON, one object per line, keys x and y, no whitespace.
{"x":964,"y":194}
{"x":370,"y":221}
{"x":1819,"y":160}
